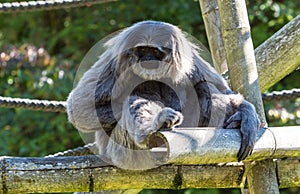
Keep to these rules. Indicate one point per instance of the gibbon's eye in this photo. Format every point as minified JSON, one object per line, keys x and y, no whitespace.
{"x":143,"y":49}
{"x":156,"y":51}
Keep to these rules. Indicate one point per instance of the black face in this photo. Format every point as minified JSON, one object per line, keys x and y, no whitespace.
{"x":145,"y":53}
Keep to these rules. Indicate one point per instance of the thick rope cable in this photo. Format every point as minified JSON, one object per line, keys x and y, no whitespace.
{"x":46,"y":5}
{"x":42,"y":105}
{"x":89,"y":149}
{"x":281,"y":95}
{"x":60,"y":106}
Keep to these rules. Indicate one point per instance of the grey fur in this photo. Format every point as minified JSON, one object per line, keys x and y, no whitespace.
{"x":124,"y":101}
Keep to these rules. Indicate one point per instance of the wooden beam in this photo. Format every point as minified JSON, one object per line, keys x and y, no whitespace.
{"x":279,"y":55}
{"x":208,"y":146}
{"x":44,"y":175}
{"x":288,"y":171}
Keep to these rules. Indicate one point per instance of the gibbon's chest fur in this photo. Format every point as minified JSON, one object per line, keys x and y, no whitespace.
{"x":179,"y":98}
{"x":162,"y":93}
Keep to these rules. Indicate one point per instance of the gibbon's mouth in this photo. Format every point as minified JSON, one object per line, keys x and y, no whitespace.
{"x":151,"y":64}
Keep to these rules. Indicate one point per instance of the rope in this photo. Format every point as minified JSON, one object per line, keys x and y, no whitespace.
{"x":46,"y":5}
{"x":89,"y":149}
{"x":43,"y":105}
{"x":60,"y":106}
{"x":282,"y":95}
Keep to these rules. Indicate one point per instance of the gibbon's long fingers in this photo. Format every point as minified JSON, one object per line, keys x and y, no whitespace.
{"x":234,"y":122}
{"x":246,"y":147}
{"x":249,"y":128}
{"x":169,"y":118}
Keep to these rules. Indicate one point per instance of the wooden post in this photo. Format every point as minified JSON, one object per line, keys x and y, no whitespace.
{"x":244,"y":79}
{"x":239,"y":52}
{"x":211,"y":18}
{"x":281,"y":50}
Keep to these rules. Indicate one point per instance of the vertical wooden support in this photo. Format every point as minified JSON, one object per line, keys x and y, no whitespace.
{"x":240,"y":52}
{"x":211,"y":18}
{"x":261,"y":177}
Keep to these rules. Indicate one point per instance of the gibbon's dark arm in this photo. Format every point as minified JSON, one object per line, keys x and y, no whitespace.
{"x":106,"y":117}
{"x":237,"y":113}
{"x":103,"y":106}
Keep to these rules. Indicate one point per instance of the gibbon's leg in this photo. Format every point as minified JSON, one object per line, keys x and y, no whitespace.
{"x":140,"y":116}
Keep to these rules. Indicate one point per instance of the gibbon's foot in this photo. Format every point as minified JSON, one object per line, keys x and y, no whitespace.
{"x":248,"y":125}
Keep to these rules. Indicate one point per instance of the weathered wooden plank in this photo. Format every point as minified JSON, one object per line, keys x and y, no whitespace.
{"x":70,"y":174}
{"x":288,"y":171}
{"x":240,"y":52}
{"x":47,"y":174}
{"x":212,"y":176}
{"x":41,"y":181}
{"x":279,"y":55}
{"x":106,"y":177}
{"x":112,"y":178}
{"x":244,"y":79}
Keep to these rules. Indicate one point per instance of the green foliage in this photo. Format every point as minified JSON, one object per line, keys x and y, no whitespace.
{"x":267,"y":17}
{"x":30,"y":72}
{"x":78,"y":29}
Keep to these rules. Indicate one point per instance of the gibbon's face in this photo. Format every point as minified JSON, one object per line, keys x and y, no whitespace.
{"x":150,"y":62}
{"x":154,"y":50}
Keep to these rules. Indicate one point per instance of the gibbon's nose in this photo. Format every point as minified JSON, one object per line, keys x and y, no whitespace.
{"x":150,"y":64}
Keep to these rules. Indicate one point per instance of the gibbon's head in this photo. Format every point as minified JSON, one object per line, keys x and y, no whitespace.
{"x":153,"y":50}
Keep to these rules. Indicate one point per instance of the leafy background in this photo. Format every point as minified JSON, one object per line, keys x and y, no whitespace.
{"x":41,"y":51}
